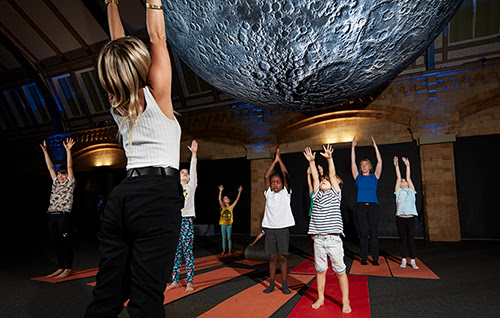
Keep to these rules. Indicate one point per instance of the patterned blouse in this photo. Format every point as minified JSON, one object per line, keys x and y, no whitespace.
{"x":61,"y":197}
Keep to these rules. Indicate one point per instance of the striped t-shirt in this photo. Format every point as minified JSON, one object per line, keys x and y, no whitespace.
{"x":326,"y":217}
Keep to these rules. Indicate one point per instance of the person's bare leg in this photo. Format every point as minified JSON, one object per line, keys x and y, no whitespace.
{"x":320,"y":281}
{"x":229,"y":251}
{"x":189,"y":287}
{"x":284,"y":271}
{"x":223,"y":252}
{"x":272,"y":272}
{"x":344,"y":288}
{"x":172,"y":286}
{"x":65,"y":273}
{"x":57,"y":272}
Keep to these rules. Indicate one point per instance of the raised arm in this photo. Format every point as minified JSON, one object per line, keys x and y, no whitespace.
{"x":310,"y":156}
{"x":328,"y":151}
{"x":49,"y":163}
{"x":114,"y":21}
{"x":378,"y":167}
{"x":284,"y":171}
{"x":398,"y":173}
{"x":193,"y":175}
{"x":408,"y":174}
{"x":354,"y":167}
{"x":221,"y":187}
{"x":160,"y":73}
{"x":240,"y":188}
{"x":269,"y":171}
{"x":68,"y":144}
{"x":309,"y":182}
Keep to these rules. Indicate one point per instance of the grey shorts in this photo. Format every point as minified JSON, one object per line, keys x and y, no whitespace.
{"x":277,"y":241}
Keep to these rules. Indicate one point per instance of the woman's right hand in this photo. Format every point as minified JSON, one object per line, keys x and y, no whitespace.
{"x":354,"y":142}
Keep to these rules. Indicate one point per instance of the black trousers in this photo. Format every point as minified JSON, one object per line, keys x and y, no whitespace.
{"x":138,"y":237}
{"x":368,"y":215}
{"x":406,"y":231}
{"x":61,"y":233}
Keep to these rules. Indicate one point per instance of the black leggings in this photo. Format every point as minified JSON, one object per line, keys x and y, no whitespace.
{"x":61,"y":233}
{"x":368,"y":215}
{"x":406,"y":231}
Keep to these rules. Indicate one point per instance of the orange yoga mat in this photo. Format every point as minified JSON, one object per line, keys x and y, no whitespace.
{"x":358,"y":298}
{"x":252,"y":302}
{"x":205,"y":280}
{"x":250,"y":262}
{"x":74,"y":275}
{"x":307,"y":267}
{"x":408,"y":272}
{"x":381,"y":270}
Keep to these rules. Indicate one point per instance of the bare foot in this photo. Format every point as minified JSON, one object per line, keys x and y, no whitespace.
{"x":318,"y":303}
{"x":189,"y":287}
{"x":346,"y":308}
{"x":172,"y":286}
{"x":57,"y":272}
{"x":65,"y":273}
{"x":223,"y":252}
{"x":229,"y":251}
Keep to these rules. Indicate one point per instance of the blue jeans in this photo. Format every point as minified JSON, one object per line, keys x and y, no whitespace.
{"x":226,"y":235}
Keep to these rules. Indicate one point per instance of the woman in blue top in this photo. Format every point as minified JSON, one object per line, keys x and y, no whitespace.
{"x":367,"y":210}
{"x":406,"y":211}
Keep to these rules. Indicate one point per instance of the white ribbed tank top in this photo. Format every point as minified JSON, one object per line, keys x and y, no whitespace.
{"x":155,"y":140}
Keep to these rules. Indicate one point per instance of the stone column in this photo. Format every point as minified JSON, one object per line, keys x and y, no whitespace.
{"x":440,"y":192}
{"x":258,"y":201}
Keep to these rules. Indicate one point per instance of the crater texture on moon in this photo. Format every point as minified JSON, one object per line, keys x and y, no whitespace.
{"x":302,"y":54}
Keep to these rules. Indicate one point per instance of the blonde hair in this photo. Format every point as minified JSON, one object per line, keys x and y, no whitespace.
{"x":123,"y":67}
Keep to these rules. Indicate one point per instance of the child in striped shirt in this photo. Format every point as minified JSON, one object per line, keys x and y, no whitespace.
{"x":327,"y":227}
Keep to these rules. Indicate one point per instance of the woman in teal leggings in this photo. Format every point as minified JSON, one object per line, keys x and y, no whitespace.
{"x":226,"y":218}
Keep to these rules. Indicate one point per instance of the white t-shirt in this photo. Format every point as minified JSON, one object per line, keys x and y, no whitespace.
{"x":278,"y":212}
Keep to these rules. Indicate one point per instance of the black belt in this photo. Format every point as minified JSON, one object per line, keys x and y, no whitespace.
{"x":153,"y":171}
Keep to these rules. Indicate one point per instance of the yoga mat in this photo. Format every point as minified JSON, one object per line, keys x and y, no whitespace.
{"x":250,"y":262}
{"x":74,"y":275}
{"x":205,"y":280}
{"x":307,"y":268}
{"x":381,"y":270}
{"x":252,"y":302}
{"x":408,"y":272}
{"x":206,"y":262}
{"x":358,"y":298}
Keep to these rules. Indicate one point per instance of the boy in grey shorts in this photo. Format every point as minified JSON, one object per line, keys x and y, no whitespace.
{"x":326,"y":225}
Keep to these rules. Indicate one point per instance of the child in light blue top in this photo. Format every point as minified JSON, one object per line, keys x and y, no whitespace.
{"x":406,"y":212}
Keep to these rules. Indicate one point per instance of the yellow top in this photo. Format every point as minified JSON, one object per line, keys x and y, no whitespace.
{"x":226,"y":216}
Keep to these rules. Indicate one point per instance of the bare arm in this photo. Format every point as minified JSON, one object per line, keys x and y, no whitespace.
{"x":354,"y":168}
{"x":408,"y":174}
{"x":114,"y":21}
{"x":221,"y":187}
{"x":240,"y":188}
{"x":378,"y":167}
{"x":310,"y":156}
{"x":160,"y":73}
{"x":398,"y":174}
{"x":49,"y":163}
{"x":69,"y":158}
{"x":309,"y":183}
{"x":257,"y":238}
{"x":286,"y":182}
{"x":328,"y":151}
{"x":269,"y":171}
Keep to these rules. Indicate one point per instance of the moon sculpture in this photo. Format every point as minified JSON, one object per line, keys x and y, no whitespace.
{"x":302,"y":54}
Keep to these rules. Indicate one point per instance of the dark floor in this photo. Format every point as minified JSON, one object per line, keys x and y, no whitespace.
{"x":469,"y":284}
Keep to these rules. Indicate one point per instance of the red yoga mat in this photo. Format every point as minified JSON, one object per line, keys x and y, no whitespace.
{"x":358,"y":298}
{"x":252,"y":302}
{"x":74,"y":275}
{"x":422,"y":272}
